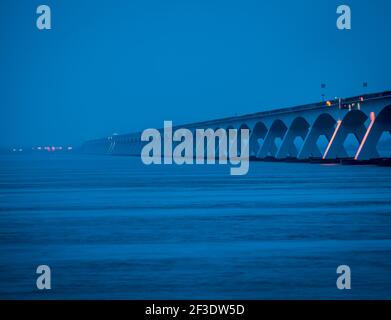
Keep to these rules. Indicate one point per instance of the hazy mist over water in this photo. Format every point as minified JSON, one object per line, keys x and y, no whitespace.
{"x":111,"y":227}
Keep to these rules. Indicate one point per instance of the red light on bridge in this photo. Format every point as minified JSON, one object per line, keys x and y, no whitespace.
{"x":361,"y":99}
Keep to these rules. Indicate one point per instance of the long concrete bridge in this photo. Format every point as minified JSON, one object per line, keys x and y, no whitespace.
{"x":298,"y":130}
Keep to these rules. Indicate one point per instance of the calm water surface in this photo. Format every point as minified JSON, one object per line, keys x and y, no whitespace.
{"x":110,"y":227}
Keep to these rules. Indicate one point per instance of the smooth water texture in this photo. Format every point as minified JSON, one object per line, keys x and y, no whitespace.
{"x":111,"y":227}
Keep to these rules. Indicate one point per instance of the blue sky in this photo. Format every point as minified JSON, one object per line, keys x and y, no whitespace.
{"x":121,"y":66}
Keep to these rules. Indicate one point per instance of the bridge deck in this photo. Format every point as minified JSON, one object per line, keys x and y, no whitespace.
{"x":310,"y":106}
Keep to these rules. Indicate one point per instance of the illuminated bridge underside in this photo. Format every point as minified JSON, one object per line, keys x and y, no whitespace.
{"x":290,"y":132}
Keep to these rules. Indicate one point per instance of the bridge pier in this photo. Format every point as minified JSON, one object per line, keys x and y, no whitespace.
{"x":269,"y":148}
{"x":323,"y":125}
{"x":298,"y":128}
{"x":259,"y":132}
{"x":353,"y":123}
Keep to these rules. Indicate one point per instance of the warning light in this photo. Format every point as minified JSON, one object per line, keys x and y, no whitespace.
{"x":361,"y":99}
{"x":328,"y":103}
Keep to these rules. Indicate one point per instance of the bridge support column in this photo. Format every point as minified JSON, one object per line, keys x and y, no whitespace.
{"x":336,"y":148}
{"x":367,"y":149}
{"x":324,"y":125}
{"x":310,"y":148}
{"x":277,"y":130}
{"x":299,"y":128}
{"x":353,"y":123}
{"x":259,"y":132}
{"x":288,"y":148}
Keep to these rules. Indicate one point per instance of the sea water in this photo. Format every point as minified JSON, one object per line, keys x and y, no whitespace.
{"x":112,"y":227}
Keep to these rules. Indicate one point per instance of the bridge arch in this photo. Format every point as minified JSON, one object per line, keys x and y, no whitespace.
{"x":377,"y":126}
{"x":277,"y":131}
{"x":258,"y":134}
{"x":297,"y":130}
{"x":352,"y":124}
{"x":324,"y":125}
